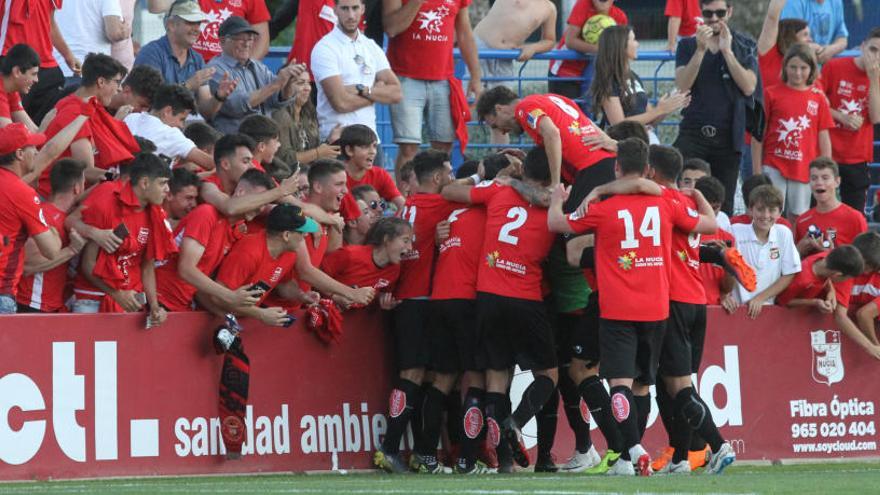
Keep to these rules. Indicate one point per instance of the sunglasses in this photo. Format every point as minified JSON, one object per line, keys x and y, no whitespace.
{"x":720,"y":13}
{"x":378,"y":205}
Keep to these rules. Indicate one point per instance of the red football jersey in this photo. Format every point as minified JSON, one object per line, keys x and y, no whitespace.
{"x":573,"y":125}
{"x":29,"y":22}
{"x":633,"y":248}
{"x":689,"y":13}
{"x":794,"y":119}
{"x":44,"y":291}
{"x":841,"y":224}
{"x":379,"y":179}
{"x":458,"y":261}
{"x":68,"y":109}
{"x":208,"y":227}
{"x":249,"y":262}
{"x":580,"y":13}
{"x":713,"y":274}
{"x":685,"y":283}
{"x":21,"y":216}
{"x":865,"y":289}
{"x":208,"y":44}
{"x":317,"y":248}
{"x":424,"y":50}
{"x":847,"y":89}
{"x":9,"y":103}
{"x":422,"y":211}
{"x":515,"y":244}
{"x":354,"y":266}
{"x":806,"y":285}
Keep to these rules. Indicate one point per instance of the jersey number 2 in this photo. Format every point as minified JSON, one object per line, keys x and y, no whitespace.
{"x":519,"y":215}
{"x":649,"y":228}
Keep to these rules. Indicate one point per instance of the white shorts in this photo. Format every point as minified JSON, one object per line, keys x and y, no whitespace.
{"x":795,"y":195}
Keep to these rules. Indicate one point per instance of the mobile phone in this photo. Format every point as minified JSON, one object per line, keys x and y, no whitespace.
{"x":121,"y":231}
{"x":260,"y":286}
{"x":141,"y":298}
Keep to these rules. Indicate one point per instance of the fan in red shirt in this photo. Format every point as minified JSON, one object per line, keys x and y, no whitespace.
{"x":358,"y":146}
{"x":21,"y":214}
{"x":314,"y":19}
{"x":864,"y":305}
{"x":633,"y":250}
{"x":851,"y":87}
{"x":825,"y":280}
{"x":254,"y":11}
{"x":513,"y":322}
{"x":125,"y":280}
{"x":204,"y":237}
{"x":45,"y":282}
{"x":830,"y":220}
{"x":555,"y":123}
{"x":776,"y":38}
{"x":684,"y":17}
{"x":572,"y":39}
{"x":18,"y":73}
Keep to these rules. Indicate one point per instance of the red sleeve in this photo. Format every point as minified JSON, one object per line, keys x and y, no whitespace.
{"x":96,"y":211}
{"x":825,"y":119}
{"x":483,"y":192}
{"x":199,"y":228}
{"x":385,"y":186}
{"x":237,"y":269}
{"x":5,"y":111}
{"x":863,"y":224}
{"x":843,"y":292}
{"x":579,"y":13}
{"x":335,"y":262}
{"x":464,"y":4}
{"x":683,"y":216}
{"x":31,"y":213}
{"x":580,"y":224}
{"x":15,"y":102}
{"x":619,"y":16}
{"x":258,"y":12}
{"x":674,"y":8}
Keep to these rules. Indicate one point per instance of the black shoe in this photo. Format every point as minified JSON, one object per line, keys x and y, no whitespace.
{"x":511,"y":434}
{"x":545,"y":464}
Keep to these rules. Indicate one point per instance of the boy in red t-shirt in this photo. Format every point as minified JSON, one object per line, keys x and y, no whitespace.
{"x":830,"y":223}
{"x":358,"y":145}
{"x":19,"y":73}
{"x":864,"y":300}
{"x":852,"y":85}
{"x":825,"y":280}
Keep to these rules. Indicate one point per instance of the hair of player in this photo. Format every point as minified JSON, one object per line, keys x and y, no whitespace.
{"x":257,"y":178}
{"x":22,"y":56}
{"x":846,"y":260}
{"x":807,"y":55}
{"x":868,"y":243}
{"x":697,"y":164}
{"x":612,"y":67}
{"x":493,"y":164}
{"x":202,"y":134}
{"x":499,"y":95}
{"x":321,"y":170}
{"x":180,"y":178}
{"x":226,"y":147}
{"x":627,"y":129}
{"x":467,"y":169}
{"x":407,"y":171}
{"x":767,"y":196}
{"x":8,"y":159}
{"x":536,"y":165}
{"x":751,"y":183}
{"x":361,"y":191}
{"x":148,"y":165}
{"x":386,"y":229}
{"x":259,"y":128}
{"x":825,"y":163}
{"x":666,"y":161}
{"x":355,"y":135}
{"x":873,"y":33}
{"x":632,"y":156}
{"x":178,"y":97}
{"x":65,"y":175}
{"x":711,"y":188}
{"x":787,"y":34}
{"x":145,"y":145}
{"x":99,"y":66}
{"x":144,"y":80}
{"x":427,"y":163}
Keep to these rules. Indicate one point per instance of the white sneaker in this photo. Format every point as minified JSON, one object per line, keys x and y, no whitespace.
{"x":622,"y":468}
{"x":721,"y":459}
{"x":683,"y":467}
{"x":580,"y":462}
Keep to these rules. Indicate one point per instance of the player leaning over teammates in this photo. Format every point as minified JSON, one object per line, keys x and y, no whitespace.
{"x":633,"y":241}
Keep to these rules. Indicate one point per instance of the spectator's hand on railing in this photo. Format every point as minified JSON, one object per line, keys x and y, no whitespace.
{"x":362,"y":295}
{"x":157,"y":316}
{"x":127,"y":299}
{"x":729,"y":303}
{"x":755,"y":306}
{"x":275,"y":316}
{"x":526,"y":52}
{"x":244,"y":296}
{"x":824,"y":306}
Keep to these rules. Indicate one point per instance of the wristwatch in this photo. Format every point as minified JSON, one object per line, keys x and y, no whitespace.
{"x":363,"y":91}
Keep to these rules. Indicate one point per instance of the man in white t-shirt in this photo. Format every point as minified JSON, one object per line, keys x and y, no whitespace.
{"x":89,"y":26}
{"x":163,"y":125}
{"x":351,"y":72}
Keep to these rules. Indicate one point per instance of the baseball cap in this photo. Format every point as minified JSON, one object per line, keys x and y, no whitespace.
{"x":290,"y":218}
{"x":235,"y":25}
{"x":188,"y":10}
{"x":16,"y":136}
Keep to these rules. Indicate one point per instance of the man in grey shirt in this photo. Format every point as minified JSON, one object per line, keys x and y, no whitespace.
{"x":259,"y":91}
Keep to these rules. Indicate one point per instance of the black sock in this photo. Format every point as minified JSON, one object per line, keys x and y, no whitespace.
{"x":534,"y":397}
{"x":402,"y":402}
{"x":624,"y":409}
{"x":697,"y":442}
{"x":689,"y":405}
{"x":432,"y":420}
{"x":416,"y":419}
{"x":680,"y":438}
{"x":572,"y":401}
{"x":643,"y":406}
{"x":470,"y":422}
{"x":599,"y":402}
{"x":547,"y":418}
{"x":497,"y":410}
{"x":453,"y":417}
{"x":666,"y":406}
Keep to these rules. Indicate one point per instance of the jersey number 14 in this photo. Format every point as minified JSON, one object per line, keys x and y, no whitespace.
{"x":649,"y":228}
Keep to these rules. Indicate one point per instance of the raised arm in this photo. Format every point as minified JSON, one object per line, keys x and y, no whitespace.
{"x":396,"y":17}
{"x":557,"y":221}
{"x":770,"y":30}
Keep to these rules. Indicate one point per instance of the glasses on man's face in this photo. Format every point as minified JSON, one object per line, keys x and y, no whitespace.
{"x":378,"y":205}
{"x":719,"y":13}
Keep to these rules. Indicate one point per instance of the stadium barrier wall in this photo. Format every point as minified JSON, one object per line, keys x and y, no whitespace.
{"x":99,"y":396}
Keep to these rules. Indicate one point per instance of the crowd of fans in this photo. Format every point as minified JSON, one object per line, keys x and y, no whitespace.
{"x":190,"y":176}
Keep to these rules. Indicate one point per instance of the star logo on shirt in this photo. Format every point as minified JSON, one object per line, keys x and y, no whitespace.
{"x":626,"y":261}
{"x":575,"y":128}
{"x":432,"y":20}
{"x":682,"y":255}
{"x":791,"y":130}
{"x":850,"y":107}
{"x":491,"y":258}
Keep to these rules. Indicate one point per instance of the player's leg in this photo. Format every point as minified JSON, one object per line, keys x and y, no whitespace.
{"x":496,"y":350}
{"x":666,"y":408}
{"x":649,"y":336}
{"x":547,"y":419}
{"x":619,"y":344}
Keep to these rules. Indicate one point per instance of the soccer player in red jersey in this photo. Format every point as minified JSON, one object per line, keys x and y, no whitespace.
{"x":358,"y":145}
{"x":633,"y":251}
{"x":837,"y":222}
{"x":42,"y":288}
{"x":21,"y":215}
{"x":125,"y":280}
{"x":557,"y":124}
{"x":18,"y":73}
{"x":423,"y":210}
{"x":825,"y":280}
{"x":715,"y":281}
{"x":204,"y":237}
